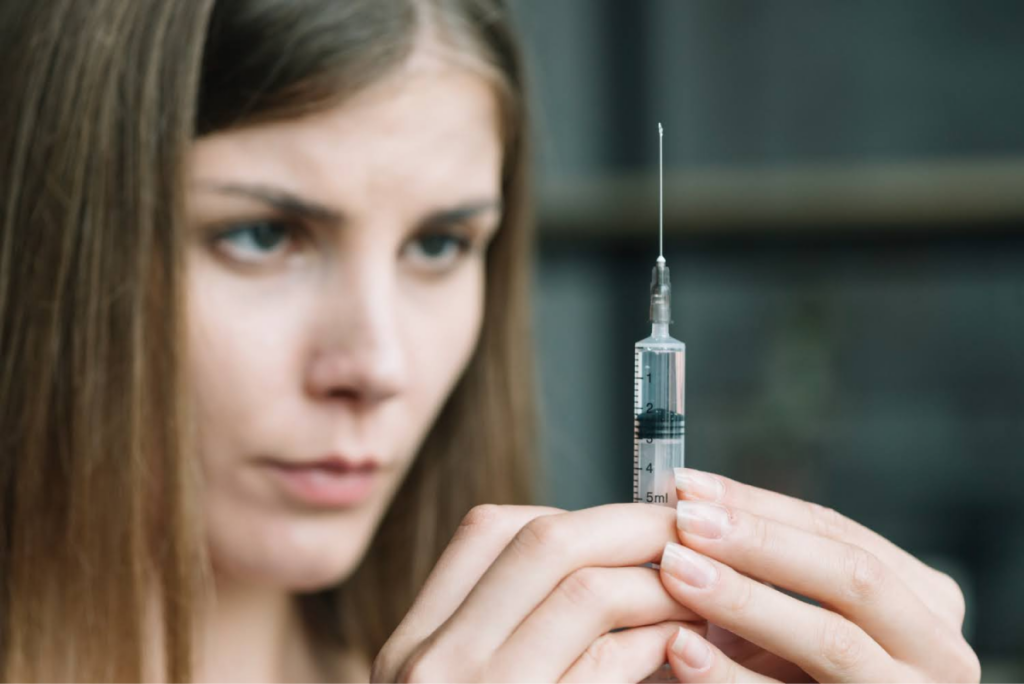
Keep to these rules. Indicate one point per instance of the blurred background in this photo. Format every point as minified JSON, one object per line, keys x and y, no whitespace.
{"x":844,"y":199}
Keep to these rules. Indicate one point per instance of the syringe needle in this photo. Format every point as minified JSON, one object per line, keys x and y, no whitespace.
{"x":661,"y":198}
{"x":661,"y":290}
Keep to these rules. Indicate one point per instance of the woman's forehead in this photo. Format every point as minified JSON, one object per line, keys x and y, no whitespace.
{"x":426,"y":134}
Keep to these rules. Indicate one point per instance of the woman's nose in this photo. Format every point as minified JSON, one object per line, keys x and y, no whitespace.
{"x":359,"y":354}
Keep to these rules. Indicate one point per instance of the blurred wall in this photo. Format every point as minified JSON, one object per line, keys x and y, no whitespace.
{"x":858,"y":343}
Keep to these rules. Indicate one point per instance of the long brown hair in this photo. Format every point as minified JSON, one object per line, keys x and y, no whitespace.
{"x":99,"y":504}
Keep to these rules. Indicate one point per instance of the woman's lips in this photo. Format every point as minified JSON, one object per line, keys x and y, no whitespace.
{"x":326,"y":483}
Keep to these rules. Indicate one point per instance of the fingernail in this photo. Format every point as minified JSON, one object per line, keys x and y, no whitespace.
{"x":691,"y":649}
{"x":688,"y":566}
{"x":697,"y":485}
{"x":703,"y":519}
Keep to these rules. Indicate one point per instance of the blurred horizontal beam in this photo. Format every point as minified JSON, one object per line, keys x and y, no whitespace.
{"x":938,"y":196}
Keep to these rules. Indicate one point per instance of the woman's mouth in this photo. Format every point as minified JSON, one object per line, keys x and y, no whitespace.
{"x":331,"y":482}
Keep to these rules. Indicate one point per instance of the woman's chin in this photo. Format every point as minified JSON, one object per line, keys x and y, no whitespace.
{"x":295,"y":556}
{"x":312,"y":581}
{"x":287,"y":573}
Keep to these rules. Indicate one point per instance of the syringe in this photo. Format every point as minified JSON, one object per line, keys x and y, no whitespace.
{"x":659,"y":425}
{"x":659,"y":383}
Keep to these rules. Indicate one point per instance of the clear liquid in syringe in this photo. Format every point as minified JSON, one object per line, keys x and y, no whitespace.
{"x":659,"y":429}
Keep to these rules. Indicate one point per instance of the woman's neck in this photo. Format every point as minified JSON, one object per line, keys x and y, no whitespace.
{"x":255,"y":634}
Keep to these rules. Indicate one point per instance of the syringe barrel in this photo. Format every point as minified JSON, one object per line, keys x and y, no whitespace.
{"x":659,"y":418}
{"x":659,"y":432}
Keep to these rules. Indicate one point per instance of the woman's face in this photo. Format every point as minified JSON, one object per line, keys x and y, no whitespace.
{"x":335,"y":293}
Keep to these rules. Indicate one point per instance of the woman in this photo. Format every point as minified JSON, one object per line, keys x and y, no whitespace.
{"x":263,"y":327}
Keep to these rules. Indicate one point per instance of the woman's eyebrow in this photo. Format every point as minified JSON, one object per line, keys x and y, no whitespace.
{"x":282,"y":200}
{"x":292,"y":204}
{"x":461,"y":213}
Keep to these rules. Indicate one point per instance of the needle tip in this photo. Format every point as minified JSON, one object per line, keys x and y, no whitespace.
{"x":661,"y":131}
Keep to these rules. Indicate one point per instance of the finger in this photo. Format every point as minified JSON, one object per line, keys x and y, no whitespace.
{"x":627,"y":656}
{"x":925,"y":581}
{"x":586,"y":604}
{"x":753,"y":657}
{"x":542,"y":554}
{"x":824,"y":644}
{"x":693,"y":659}
{"x":483,"y":534}
{"x":845,"y":578}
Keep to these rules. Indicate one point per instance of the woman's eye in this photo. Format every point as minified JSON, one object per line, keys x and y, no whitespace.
{"x":256,"y":241}
{"x":437,"y":251}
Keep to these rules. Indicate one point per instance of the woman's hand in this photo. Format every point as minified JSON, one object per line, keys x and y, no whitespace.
{"x":532,"y":594}
{"x":883,"y":614}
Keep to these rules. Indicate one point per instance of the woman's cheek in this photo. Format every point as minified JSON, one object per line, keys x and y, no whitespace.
{"x":243,"y":341}
{"x":446,"y":323}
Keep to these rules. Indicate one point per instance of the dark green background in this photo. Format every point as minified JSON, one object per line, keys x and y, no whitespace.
{"x":875,"y":364}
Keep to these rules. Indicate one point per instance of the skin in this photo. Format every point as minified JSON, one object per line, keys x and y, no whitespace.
{"x":533,"y":594}
{"x":350,"y":337}
{"x":340,"y":332}
{"x":883,"y":616}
